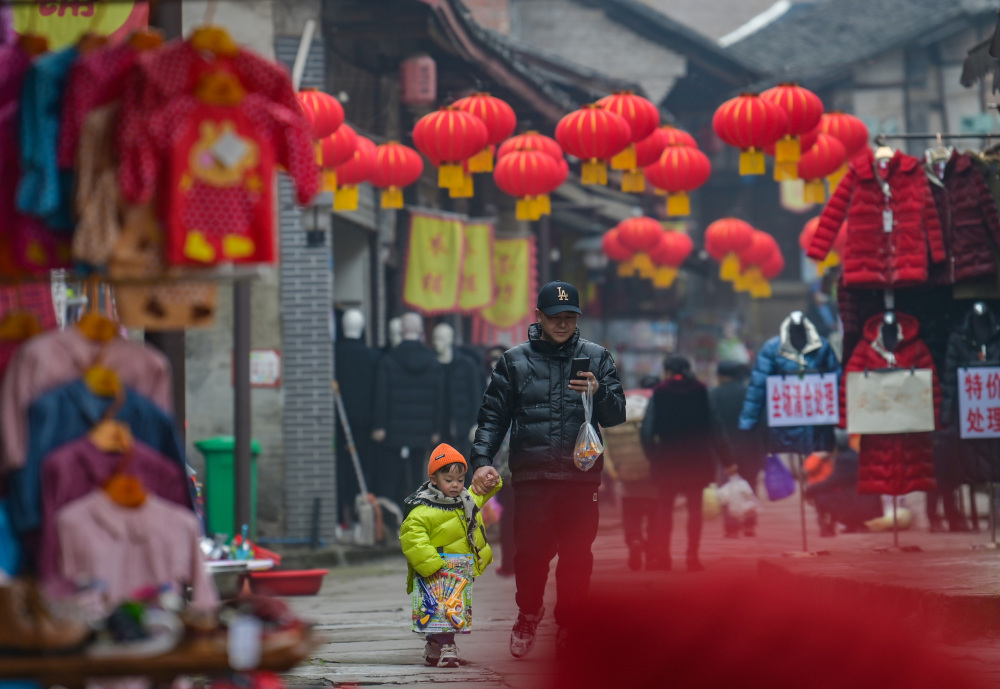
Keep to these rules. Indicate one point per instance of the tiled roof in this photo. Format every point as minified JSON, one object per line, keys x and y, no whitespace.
{"x":814,"y":41}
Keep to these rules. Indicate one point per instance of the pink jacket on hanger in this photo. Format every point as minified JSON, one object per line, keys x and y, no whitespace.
{"x":127,"y":549}
{"x":58,"y":357}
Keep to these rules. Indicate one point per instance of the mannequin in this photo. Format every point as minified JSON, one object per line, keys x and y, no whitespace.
{"x":395,"y":332}
{"x":890,"y":331}
{"x":462,"y":387}
{"x":355,"y":364}
{"x":984,"y":326}
{"x":408,"y":409}
{"x":797,"y":330}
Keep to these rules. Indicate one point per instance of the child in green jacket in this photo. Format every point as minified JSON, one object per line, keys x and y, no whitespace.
{"x":445,"y":518}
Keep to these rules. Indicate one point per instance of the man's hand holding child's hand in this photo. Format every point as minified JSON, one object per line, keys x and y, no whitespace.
{"x":484,"y":480}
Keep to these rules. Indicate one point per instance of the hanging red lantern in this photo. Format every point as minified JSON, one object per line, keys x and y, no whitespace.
{"x":642,"y":118}
{"x":640,"y":235}
{"x":749,"y":123}
{"x":333,"y":151}
{"x":530,"y":141}
{"x":396,"y":166}
{"x":324,"y":112}
{"x":613,"y":248}
{"x":352,"y":173}
{"x":769,"y":270}
{"x":679,"y":170}
{"x":761,"y":246}
{"x":784,"y":172}
{"x":649,"y":150}
{"x":677,"y":137}
{"x":725,"y":239}
{"x":803,"y":110}
{"x":851,"y":131}
{"x":499,"y":119}
{"x":824,"y":158}
{"x":448,"y":137}
{"x":593,"y":135}
{"x":668,"y":256}
{"x":530,"y":176}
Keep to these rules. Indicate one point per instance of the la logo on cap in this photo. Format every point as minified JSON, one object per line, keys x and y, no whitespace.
{"x":563,"y":295}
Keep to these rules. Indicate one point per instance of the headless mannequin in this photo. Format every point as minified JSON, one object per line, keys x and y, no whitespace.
{"x":890,"y":331}
{"x":411,"y":328}
{"x":797,"y":330}
{"x":982,"y":324}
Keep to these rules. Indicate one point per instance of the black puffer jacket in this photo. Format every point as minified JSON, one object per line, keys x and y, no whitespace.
{"x":409,"y":395}
{"x":529,"y":393}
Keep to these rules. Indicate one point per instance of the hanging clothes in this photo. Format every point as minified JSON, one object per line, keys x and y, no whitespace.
{"x":970,"y":223}
{"x":45,"y":191}
{"x":894,"y":463}
{"x":215,"y":161}
{"x":970,"y":346}
{"x":77,"y":468}
{"x":131,"y":548}
{"x":59,"y":357}
{"x":778,"y":357}
{"x":891,"y":222}
{"x":98,"y":201}
{"x":66,"y":414}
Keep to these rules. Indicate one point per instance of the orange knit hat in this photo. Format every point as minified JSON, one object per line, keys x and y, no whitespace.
{"x":443,"y":455}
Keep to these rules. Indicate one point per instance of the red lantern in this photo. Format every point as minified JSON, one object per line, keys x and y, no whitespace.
{"x":669,"y":255}
{"x":749,"y":123}
{"x":824,"y":158}
{"x":352,"y":173}
{"x":725,"y":239}
{"x":530,"y":141}
{"x":790,"y":171}
{"x":593,"y":135}
{"x":772,"y":267}
{"x":679,"y":170}
{"x":396,"y":166}
{"x":851,"y":131}
{"x":649,"y":150}
{"x":640,"y":235}
{"x":613,"y":248}
{"x":803,"y":110}
{"x":333,"y":151}
{"x":751,"y":278}
{"x":499,"y":119}
{"x":448,"y":137}
{"x":642,"y":118}
{"x":678,"y":137}
{"x":324,"y":112}
{"x":530,"y":176}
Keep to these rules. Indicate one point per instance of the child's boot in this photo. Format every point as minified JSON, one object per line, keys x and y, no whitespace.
{"x":449,"y":656}
{"x":432,"y":653}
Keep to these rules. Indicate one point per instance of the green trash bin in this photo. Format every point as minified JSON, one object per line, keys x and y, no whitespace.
{"x":220,"y":479}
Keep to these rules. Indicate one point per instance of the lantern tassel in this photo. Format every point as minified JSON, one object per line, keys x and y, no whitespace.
{"x":679,"y":204}
{"x":594,"y":172}
{"x":626,"y":269}
{"x":787,"y":150}
{"x":346,"y":199}
{"x":465,"y":190}
{"x":814,"y":191}
{"x":525,"y":209}
{"x":624,"y":160}
{"x":785,"y":172}
{"x":644,"y":265}
{"x":831,"y":261}
{"x":752,"y":162}
{"x":633,"y":181}
{"x":835,"y":178}
{"x":329,"y":180}
{"x":450,"y":176}
{"x":392,"y":198}
{"x":664,"y":277}
{"x":544,"y":205}
{"x":481,"y":162}
{"x":729,"y":270}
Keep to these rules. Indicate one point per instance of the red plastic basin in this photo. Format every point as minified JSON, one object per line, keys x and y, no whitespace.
{"x":294,"y":582}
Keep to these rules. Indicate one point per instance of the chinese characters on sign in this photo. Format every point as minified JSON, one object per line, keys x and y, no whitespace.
{"x":811,"y":400}
{"x":979,"y":402}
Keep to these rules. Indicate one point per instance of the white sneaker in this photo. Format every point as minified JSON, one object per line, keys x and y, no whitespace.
{"x":449,"y":656}
{"x":522,"y":636}
{"x":432,"y":653}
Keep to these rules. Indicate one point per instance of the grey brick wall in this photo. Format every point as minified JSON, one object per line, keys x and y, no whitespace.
{"x":306,"y":299}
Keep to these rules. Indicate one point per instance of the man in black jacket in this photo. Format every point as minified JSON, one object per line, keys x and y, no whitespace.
{"x":533,"y":393}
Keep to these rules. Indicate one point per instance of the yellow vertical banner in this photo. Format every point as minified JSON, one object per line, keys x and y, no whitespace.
{"x":63,"y":22}
{"x":476,"y":290}
{"x":513,"y":263}
{"x":433,"y":264}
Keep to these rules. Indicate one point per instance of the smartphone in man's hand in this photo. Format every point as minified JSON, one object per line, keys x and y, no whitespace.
{"x":580,"y":365}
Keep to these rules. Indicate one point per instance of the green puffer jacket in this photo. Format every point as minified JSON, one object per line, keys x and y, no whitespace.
{"x":426,"y":529}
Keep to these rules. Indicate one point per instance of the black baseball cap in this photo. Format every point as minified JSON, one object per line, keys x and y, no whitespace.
{"x":557,"y":297}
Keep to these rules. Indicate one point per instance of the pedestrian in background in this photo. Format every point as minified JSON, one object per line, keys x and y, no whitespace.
{"x":683,"y":443}
{"x":535,"y":392}
{"x":445,"y":518}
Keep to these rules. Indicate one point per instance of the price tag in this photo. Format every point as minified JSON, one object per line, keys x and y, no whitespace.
{"x":887,"y":220}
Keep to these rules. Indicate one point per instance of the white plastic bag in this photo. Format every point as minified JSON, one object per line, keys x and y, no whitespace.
{"x":738,"y":497}
{"x":588,"y":444}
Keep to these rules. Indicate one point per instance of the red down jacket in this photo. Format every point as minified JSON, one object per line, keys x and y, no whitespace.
{"x":876,"y":258}
{"x":969,"y":222}
{"x":895,"y":463}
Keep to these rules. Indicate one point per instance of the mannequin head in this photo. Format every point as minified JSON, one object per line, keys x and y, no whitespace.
{"x":982,"y":322}
{"x":890,"y":331}
{"x":443,"y":341}
{"x":353,"y":324}
{"x":412,"y":326}
{"x":395,"y":331}
{"x":797,"y":330}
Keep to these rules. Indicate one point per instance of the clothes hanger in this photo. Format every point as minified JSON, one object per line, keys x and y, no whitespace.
{"x":220,"y":87}
{"x":124,"y":489}
{"x":19,"y":324}
{"x":92,"y":324}
{"x":91,"y":40}
{"x":146,"y":39}
{"x":940,"y":152}
{"x":883,"y":152}
{"x":212,"y":38}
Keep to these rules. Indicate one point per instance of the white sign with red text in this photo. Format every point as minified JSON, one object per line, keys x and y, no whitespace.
{"x":979,"y":402}
{"x":809,"y":400}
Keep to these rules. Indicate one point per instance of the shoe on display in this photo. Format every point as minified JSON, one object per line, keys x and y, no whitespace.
{"x":635,"y":557}
{"x":449,"y":656}
{"x":27,"y":625}
{"x":432,"y":653}
{"x":522,"y":636}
